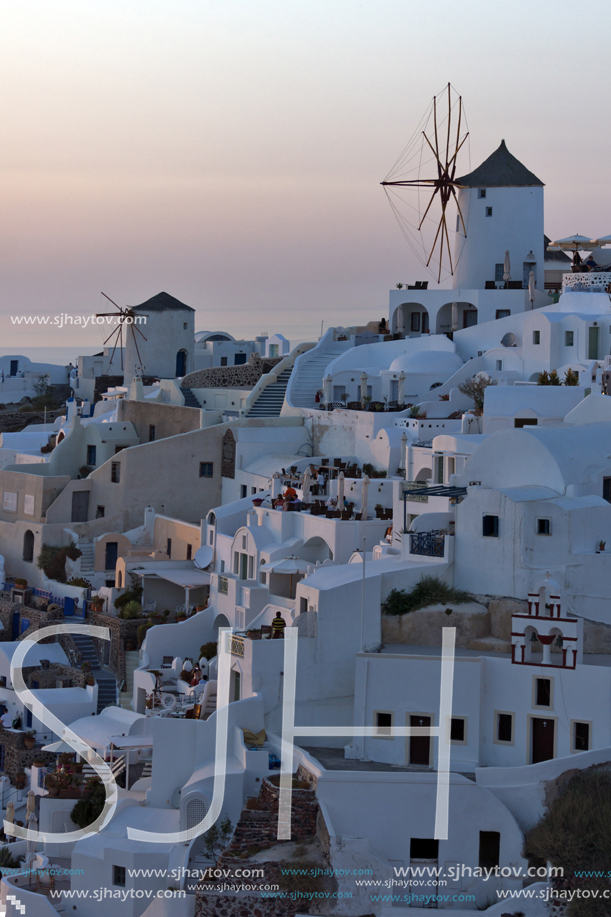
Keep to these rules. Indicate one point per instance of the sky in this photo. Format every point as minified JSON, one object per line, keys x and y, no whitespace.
{"x":230,"y":151}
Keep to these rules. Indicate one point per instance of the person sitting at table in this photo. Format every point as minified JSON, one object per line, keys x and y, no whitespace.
{"x":590,"y":263}
{"x":280,"y":502}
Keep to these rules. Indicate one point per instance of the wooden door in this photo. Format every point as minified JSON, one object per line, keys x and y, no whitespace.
{"x":542,"y":739}
{"x":420,"y":746}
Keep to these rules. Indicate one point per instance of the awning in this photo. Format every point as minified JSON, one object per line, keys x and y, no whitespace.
{"x":132,"y":741}
{"x":188,"y":579}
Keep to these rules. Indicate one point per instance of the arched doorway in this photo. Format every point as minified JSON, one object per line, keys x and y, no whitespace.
{"x":220,"y":621}
{"x":410,"y":319}
{"x":181,"y":363}
{"x":316,"y":549}
{"x":455,"y":316}
{"x":424,"y":475}
{"x":28,"y":547}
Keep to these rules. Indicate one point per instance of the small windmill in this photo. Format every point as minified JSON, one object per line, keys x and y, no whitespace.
{"x":125,"y":317}
{"x":444,"y":141}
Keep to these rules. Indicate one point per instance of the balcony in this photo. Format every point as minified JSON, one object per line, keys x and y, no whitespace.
{"x":235,"y":645}
{"x":590,"y":282}
{"x":427,"y":544}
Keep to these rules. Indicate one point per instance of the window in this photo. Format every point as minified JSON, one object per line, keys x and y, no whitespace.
{"x":9,"y":502}
{"x":503,"y":313}
{"x":168,"y":547}
{"x":488,"y":211}
{"x":303,"y":605}
{"x":458,"y":730}
{"x":569,"y":337}
{"x":99,"y":512}
{"x":543,"y":692}
{"x":383,"y":724}
{"x":211,"y":537}
{"x":489,"y":849}
{"x":239,"y":359}
{"x":151,"y":433}
{"x":520,"y":422}
{"x":544,"y":527}
{"x":251,"y":566}
{"x":115,"y":472}
{"x":196,"y":812}
{"x":223,"y":361}
{"x":581,"y":736}
{"x":451,"y":466}
{"x":499,"y":270}
{"x":490,"y":526}
{"x":499,"y":365}
{"x":504,"y":728}
{"x":243,"y":491}
{"x":28,"y":505}
{"x":91,"y":455}
{"x":189,"y":551}
{"x":415,"y":321}
{"x":481,"y":192}
{"x":236,"y":562}
{"x":206,"y":469}
{"x":423,"y":848}
{"x":28,"y":547}
{"x":184,"y":326}
{"x":118,"y":876}
{"x":223,"y":585}
{"x":536,"y":337}
{"x":222,"y":566}
{"x":607,"y":489}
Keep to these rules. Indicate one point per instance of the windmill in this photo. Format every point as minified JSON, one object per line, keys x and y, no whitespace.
{"x":420,"y":203}
{"x":125,"y":317}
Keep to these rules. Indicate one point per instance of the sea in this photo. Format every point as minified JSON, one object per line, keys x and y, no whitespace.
{"x":60,"y":356}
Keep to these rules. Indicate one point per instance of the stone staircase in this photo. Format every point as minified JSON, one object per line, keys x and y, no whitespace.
{"x":270,"y":401}
{"x":107,"y":690}
{"x":84,"y":644}
{"x":190,"y":399}
{"x":87,"y":558}
{"x":210,"y":704}
{"x":310,"y":370}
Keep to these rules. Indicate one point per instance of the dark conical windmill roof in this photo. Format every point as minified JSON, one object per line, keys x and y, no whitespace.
{"x":500,"y":170}
{"x":163,"y":302}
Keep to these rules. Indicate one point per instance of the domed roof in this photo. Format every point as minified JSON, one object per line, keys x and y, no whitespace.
{"x":427,"y":361}
{"x":162,"y":302}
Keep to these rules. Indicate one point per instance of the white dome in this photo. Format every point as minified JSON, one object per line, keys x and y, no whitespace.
{"x":427,"y":361}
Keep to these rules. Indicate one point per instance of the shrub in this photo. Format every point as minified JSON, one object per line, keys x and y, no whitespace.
{"x":52,"y":560}
{"x":87,"y":810}
{"x":131,"y":609}
{"x":575,"y":834}
{"x":208,"y":650}
{"x":78,"y":581}
{"x":6,"y":860}
{"x":141,"y":633}
{"x":571,"y":377}
{"x":475,"y":388}
{"x":429,"y":591}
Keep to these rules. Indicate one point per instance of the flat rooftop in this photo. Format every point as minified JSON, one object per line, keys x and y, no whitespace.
{"x":409,"y":649}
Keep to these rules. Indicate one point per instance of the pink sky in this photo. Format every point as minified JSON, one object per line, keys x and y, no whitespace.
{"x":230,"y":151}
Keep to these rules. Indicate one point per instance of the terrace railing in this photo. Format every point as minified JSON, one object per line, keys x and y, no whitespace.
{"x":428,"y":544}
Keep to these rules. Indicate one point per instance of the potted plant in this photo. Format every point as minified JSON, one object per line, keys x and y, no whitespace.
{"x":20,"y":780}
{"x":601,"y":547}
{"x":96,"y":602}
{"x":52,"y":785}
{"x":38,"y":762}
{"x":21,"y":583}
{"x":90,"y":680}
{"x":29,"y":739}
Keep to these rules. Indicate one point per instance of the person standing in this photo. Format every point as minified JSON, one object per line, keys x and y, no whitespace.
{"x":278,"y":625}
{"x":321,"y":482}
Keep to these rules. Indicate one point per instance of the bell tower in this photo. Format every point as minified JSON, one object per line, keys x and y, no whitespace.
{"x":545,"y":636}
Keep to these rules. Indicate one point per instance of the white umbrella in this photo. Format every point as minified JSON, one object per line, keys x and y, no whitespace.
{"x":364,"y":497}
{"x":306,"y":485}
{"x":603,"y":240}
{"x":31,"y":804}
{"x":9,"y":818}
{"x":404,"y":450}
{"x":364,"y":378}
{"x":455,"y":315}
{"x":340,"y":490}
{"x":507,"y":267}
{"x":575,"y":243}
{"x":531,"y":288}
{"x":401,"y":388}
{"x":328,"y":381}
{"x":400,"y":320}
{"x":59,"y":748}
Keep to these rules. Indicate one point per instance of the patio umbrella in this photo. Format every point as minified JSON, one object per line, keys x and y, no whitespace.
{"x":340,"y":490}
{"x":31,"y":804}
{"x":306,"y":485}
{"x":328,"y":380}
{"x":401,"y":388}
{"x":531,"y":288}
{"x":576,"y":243}
{"x":507,"y":267}
{"x":9,"y":818}
{"x":289,"y":566}
{"x":59,"y":748}
{"x":454,"y":316}
{"x":364,"y":378}
{"x":364,"y":497}
{"x":603,"y":240}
